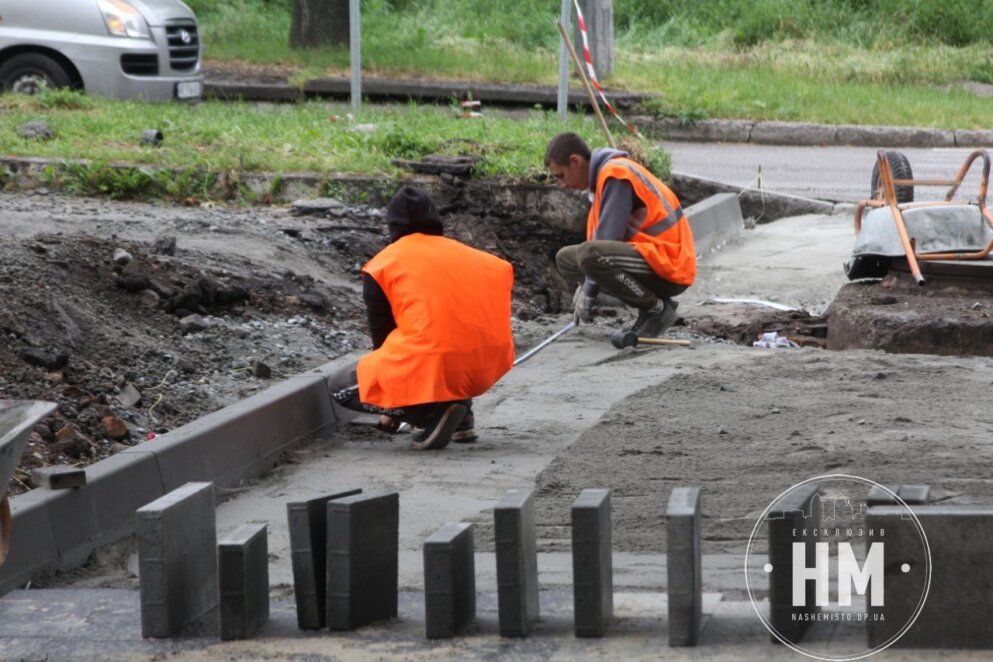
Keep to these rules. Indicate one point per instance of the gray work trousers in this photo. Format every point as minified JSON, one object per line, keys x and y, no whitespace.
{"x":618,"y":269}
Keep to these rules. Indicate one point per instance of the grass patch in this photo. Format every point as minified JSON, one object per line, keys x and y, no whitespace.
{"x":222,"y":137}
{"x":763,"y":59}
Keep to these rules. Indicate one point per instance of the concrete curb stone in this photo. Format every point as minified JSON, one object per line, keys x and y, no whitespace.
{"x":57,"y":530}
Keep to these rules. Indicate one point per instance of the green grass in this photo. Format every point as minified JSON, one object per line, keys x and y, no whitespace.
{"x":889,"y":62}
{"x":235,"y":137}
{"x":834,"y":61}
{"x":701,"y":88}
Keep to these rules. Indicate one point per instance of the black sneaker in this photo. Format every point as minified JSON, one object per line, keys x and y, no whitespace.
{"x":440,"y":428}
{"x":652,"y":322}
{"x":465,"y":433}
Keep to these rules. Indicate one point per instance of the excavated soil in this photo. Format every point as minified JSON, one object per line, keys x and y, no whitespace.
{"x":948,"y":315}
{"x":138,"y":318}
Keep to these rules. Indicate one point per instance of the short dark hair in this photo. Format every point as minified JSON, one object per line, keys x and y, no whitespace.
{"x":563,"y":146}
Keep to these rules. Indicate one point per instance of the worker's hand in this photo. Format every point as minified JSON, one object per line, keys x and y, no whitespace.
{"x":388,"y":423}
{"x":582,"y":306}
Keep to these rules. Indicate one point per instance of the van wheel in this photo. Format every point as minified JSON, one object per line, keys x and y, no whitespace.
{"x":30,"y":73}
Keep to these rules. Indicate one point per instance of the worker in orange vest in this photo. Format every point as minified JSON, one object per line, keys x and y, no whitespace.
{"x":439,"y":317}
{"x":639,"y":245}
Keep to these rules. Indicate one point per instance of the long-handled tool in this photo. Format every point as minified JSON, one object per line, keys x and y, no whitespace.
{"x":622,"y":339}
{"x":544,"y":343}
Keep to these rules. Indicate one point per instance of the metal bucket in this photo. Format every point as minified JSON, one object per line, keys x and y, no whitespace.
{"x":17,"y":419}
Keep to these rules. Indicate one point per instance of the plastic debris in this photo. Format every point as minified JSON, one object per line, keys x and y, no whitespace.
{"x":757,"y":302}
{"x":773,"y":340}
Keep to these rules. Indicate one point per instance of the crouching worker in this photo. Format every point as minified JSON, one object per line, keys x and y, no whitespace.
{"x":439,"y":317}
{"x":639,"y":246}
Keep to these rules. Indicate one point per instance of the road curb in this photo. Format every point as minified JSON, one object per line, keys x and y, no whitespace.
{"x":382,"y":89}
{"x":808,"y":134}
{"x":761,"y":205}
{"x":58,"y":529}
{"x":660,"y":128}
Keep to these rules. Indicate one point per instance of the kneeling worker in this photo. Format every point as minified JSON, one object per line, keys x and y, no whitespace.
{"x":639,"y":246}
{"x":439,"y":317}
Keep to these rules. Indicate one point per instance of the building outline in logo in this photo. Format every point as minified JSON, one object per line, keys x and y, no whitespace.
{"x":863,"y":585}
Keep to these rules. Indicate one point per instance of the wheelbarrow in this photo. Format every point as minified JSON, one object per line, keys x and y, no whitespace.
{"x":17,"y":419}
{"x":897,"y":227}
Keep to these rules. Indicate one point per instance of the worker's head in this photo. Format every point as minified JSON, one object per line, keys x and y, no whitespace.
{"x":410,"y":211}
{"x":568,"y":159}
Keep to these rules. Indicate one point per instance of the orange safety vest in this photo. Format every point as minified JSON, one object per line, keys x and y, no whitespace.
{"x":664,"y":239}
{"x":453,"y":338}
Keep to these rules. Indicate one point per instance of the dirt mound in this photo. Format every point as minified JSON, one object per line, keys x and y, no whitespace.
{"x":136,"y":318}
{"x":949,"y":316}
{"x":137,"y":346}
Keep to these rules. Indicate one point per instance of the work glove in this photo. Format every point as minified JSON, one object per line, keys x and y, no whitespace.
{"x":582,"y":306}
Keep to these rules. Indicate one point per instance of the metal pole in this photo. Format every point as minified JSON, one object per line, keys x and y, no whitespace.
{"x":545,"y":343}
{"x":586,"y":84}
{"x":355,"y":40}
{"x":564,"y":66}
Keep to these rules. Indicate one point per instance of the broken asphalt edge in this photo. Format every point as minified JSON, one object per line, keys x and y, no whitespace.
{"x":658,"y":128}
{"x":57,"y":530}
{"x":29,"y":173}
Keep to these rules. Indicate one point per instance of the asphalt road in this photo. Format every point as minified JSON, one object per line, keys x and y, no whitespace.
{"x":839,"y":174}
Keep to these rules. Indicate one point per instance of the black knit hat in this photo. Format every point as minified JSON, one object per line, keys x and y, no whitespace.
{"x":410,"y":211}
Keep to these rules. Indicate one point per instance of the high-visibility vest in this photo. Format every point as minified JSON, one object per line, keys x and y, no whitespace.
{"x":664,"y":237}
{"x":453,"y":339}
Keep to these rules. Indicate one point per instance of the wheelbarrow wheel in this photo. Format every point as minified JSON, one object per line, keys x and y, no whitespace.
{"x":5,"y":527}
{"x":900,"y":169}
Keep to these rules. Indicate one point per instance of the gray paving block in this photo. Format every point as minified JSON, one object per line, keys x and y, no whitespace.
{"x":177,"y":559}
{"x":880,"y":497}
{"x":515,"y":542}
{"x":592,"y":569}
{"x":684,"y":566}
{"x":449,"y":581}
{"x":796,"y":511}
{"x":58,"y":477}
{"x":308,"y":526}
{"x":243,"y":581}
{"x":714,"y":220}
{"x":912,"y":495}
{"x":960,"y":599}
{"x":915,"y":495}
{"x":362,"y":559}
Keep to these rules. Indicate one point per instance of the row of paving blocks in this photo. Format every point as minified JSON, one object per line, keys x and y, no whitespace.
{"x":345,"y":550}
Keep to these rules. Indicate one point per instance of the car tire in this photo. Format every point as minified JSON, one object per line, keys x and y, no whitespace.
{"x":30,"y":73}
{"x":900,"y":169}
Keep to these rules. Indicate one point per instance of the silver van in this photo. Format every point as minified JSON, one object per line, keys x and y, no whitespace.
{"x":122,"y":49}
